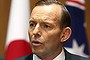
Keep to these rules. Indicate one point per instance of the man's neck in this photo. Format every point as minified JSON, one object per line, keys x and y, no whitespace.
{"x":54,"y":55}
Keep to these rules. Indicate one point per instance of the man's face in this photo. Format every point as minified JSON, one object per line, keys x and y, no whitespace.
{"x":44,"y":30}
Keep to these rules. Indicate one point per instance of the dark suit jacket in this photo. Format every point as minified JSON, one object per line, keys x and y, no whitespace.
{"x":68,"y":56}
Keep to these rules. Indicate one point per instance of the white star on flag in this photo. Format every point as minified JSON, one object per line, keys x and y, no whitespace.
{"x":76,"y":49}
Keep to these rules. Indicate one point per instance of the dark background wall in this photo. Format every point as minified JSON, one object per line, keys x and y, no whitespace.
{"x":4,"y":14}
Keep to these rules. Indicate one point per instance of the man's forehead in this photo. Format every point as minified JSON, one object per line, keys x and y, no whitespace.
{"x":42,"y":18}
{"x":48,"y":8}
{"x":52,"y":10}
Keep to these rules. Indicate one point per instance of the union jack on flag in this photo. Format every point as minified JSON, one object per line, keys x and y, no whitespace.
{"x":77,"y":44}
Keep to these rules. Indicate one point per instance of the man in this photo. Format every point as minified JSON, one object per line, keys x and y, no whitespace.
{"x":50,"y":27}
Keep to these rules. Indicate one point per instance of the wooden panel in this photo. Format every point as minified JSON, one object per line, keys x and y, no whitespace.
{"x":88,"y":20}
{"x":2,"y":33}
{"x":4,"y":11}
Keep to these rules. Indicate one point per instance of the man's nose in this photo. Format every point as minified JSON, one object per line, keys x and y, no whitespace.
{"x":36,"y":31}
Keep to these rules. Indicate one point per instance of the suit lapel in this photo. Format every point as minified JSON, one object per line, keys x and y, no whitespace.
{"x":67,"y":55}
{"x":29,"y":57}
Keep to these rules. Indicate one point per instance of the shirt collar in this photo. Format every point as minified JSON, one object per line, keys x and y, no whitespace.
{"x":61,"y":56}
{"x":35,"y":57}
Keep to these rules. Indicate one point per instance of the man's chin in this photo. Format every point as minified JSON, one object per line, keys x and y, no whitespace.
{"x":37,"y":52}
{"x":34,"y":50}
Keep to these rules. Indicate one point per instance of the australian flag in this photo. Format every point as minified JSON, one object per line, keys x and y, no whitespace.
{"x":77,"y":43}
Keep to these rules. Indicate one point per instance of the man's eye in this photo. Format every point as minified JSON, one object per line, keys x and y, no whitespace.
{"x":46,"y":26}
{"x":32,"y":25}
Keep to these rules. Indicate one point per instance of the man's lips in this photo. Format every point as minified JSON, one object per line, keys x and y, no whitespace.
{"x":36,"y":43}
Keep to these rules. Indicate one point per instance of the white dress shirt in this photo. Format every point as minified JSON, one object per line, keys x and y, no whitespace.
{"x":61,"y":56}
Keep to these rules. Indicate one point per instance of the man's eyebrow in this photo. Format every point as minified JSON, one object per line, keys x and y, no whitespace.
{"x":31,"y":19}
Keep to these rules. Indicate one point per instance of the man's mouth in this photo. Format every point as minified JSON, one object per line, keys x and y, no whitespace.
{"x":36,"y":43}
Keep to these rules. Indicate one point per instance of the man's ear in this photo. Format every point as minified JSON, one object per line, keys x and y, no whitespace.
{"x":66,"y":33}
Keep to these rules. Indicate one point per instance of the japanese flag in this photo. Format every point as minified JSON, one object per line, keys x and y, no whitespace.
{"x":17,"y":42}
